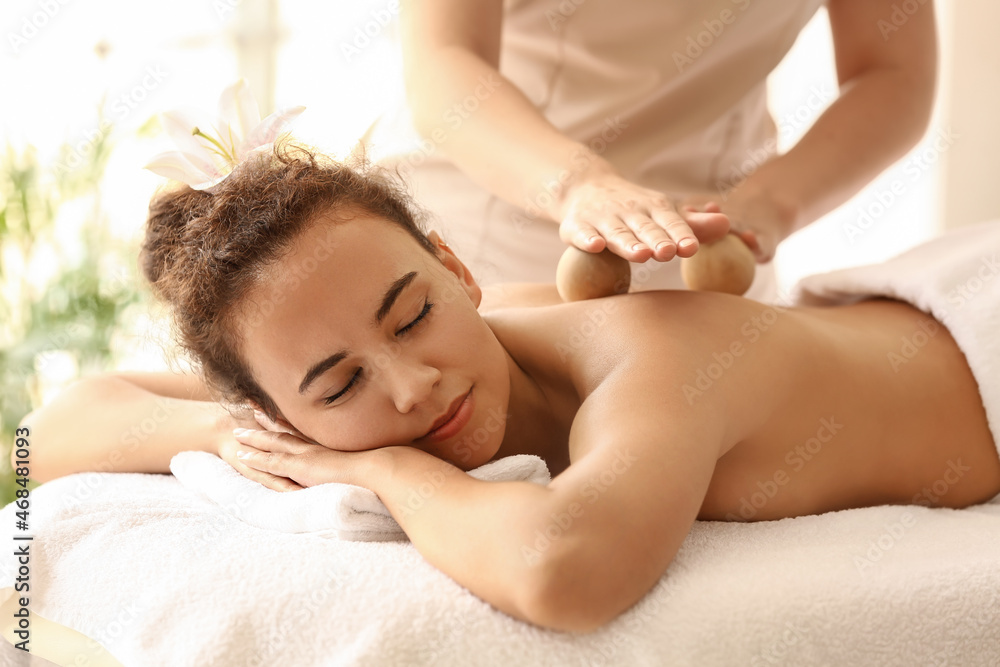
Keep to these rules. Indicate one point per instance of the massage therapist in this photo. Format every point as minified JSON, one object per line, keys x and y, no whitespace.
{"x":540,"y":123}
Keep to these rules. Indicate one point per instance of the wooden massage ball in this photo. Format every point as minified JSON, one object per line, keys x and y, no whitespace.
{"x":588,"y":275}
{"x":727,"y":265}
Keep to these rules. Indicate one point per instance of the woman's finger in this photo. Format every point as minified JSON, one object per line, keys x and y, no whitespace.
{"x":229,"y":455}
{"x":275,"y":463}
{"x":268,"y":480}
{"x":272,"y":441}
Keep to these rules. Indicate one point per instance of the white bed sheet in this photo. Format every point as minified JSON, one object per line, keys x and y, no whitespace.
{"x":168,"y":579}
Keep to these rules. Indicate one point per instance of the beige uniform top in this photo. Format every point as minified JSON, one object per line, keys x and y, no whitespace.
{"x":671,"y":92}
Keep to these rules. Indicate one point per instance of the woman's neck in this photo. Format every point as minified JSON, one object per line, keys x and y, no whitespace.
{"x":533,"y":424}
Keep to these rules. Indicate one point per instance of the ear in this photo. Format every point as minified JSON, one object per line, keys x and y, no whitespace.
{"x":450,"y":260}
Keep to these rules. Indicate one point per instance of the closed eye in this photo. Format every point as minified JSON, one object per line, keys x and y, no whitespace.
{"x":358,"y":373}
{"x":354,"y":380}
{"x":423,"y":313}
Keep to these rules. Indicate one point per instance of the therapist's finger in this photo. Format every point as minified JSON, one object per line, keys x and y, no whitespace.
{"x":582,"y":235}
{"x":662,"y":247}
{"x":708,"y":225}
{"x":678,"y":230}
{"x":622,"y":240}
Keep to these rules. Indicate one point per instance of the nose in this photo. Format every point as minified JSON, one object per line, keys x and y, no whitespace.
{"x":410,"y":383}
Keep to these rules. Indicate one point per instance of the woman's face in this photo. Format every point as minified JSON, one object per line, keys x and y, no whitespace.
{"x":363,"y":339}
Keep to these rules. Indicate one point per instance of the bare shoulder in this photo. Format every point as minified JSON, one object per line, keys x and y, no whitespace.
{"x":695,"y":351}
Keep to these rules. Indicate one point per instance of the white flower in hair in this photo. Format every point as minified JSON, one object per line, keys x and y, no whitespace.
{"x":208,"y":153}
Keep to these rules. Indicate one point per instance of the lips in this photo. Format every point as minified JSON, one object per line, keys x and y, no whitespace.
{"x":453,"y":420}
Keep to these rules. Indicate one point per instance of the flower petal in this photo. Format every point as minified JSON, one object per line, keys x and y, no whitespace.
{"x":238,"y":109}
{"x":179,"y":125}
{"x":209,"y":186}
{"x":177,"y":166}
{"x":268,"y":130}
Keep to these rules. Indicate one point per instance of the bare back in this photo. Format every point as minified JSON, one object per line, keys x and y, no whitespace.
{"x":825,"y":408}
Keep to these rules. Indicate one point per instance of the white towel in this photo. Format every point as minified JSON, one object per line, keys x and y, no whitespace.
{"x":158,"y":575}
{"x":343,"y":511}
{"x":955,"y":278}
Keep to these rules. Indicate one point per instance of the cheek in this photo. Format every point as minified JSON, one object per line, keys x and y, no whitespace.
{"x":363,"y":426}
{"x":339,"y":432}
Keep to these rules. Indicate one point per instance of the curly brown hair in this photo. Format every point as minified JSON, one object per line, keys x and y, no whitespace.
{"x":204,"y":253}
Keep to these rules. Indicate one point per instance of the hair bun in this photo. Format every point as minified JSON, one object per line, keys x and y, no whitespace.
{"x":171,"y":211}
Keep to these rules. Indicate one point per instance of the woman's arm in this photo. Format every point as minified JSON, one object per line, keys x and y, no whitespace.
{"x":570,"y":556}
{"x":451,"y":52}
{"x":126,"y":422}
{"x":887,"y":82}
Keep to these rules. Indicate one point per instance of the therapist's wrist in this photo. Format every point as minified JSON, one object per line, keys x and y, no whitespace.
{"x":586,"y":169}
{"x":760,"y":202}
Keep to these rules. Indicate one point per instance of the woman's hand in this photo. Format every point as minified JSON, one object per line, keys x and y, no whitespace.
{"x":286,"y":461}
{"x":634,"y":222}
{"x":231,"y":446}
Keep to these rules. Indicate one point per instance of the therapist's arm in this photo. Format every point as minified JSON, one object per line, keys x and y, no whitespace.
{"x":486,"y":126}
{"x":887,"y":82}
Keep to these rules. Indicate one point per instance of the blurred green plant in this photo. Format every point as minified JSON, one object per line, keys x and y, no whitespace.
{"x":62,"y":290}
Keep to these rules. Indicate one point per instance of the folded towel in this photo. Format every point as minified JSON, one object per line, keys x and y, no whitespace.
{"x":955,"y":278}
{"x":343,"y":511}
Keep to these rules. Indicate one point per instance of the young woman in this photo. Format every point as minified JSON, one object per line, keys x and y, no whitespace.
{"x":306,"y":289}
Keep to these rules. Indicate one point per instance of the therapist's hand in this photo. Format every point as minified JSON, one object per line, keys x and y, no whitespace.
{"x":634,"y":222}
{"x":755,"y":219}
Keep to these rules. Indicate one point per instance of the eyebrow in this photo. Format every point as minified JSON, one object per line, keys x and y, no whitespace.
{"x":388,"y":299}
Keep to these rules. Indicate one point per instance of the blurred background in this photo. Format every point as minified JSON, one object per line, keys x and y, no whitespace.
{"x":85,"y":80}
